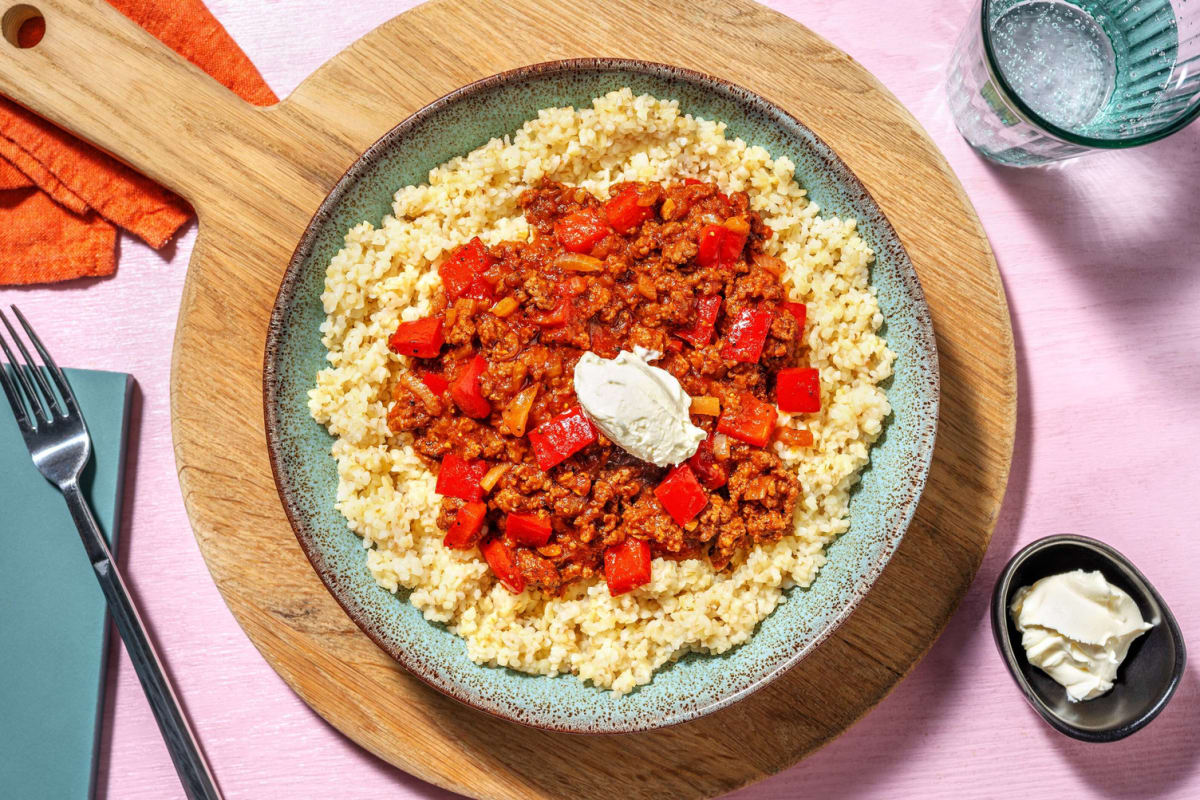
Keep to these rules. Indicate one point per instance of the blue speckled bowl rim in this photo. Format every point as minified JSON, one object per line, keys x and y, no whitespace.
{"x":899,"y":517}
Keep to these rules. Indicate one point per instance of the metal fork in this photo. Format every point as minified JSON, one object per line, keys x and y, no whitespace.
{"x":58,"y":441}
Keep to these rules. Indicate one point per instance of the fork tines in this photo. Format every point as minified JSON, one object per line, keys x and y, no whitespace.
{"x":20,"y":378}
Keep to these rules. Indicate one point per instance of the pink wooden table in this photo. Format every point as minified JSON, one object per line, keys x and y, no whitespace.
{"x":1101,"y":260}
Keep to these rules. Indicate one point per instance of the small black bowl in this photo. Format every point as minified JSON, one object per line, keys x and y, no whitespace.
{"x":1147,"y":677}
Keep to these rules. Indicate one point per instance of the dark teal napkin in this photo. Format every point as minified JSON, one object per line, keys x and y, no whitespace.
{"x":53,"y":619}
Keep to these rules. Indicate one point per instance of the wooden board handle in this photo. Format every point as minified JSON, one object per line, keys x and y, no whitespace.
{"x":101,"y":76}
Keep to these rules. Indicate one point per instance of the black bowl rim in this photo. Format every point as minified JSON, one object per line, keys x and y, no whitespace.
{"x":919,"y":469}
{"x":1004,"y":643}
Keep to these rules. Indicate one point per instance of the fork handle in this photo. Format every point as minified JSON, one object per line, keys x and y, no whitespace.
{"x":185,"y":751}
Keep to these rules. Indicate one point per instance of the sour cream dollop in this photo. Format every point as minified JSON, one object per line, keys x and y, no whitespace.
{"x":642,"y":408}
{"x":1077,"y":627}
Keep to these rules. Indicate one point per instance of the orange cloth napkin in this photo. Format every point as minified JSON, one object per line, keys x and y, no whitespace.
{"x":61,"y":198}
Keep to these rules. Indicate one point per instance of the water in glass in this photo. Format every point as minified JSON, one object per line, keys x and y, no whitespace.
{"x":1039,"y":80}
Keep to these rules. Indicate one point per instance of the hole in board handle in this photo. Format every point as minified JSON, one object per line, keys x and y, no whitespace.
{"x":23,"y":26}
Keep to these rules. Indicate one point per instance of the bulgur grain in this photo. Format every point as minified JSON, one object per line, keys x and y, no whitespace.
{"x":385,"y":274}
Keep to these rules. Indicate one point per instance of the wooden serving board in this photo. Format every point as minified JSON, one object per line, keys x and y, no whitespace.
{"x":255,"y":177}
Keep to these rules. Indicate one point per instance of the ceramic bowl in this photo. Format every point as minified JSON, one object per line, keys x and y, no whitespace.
{"x":883,"y":502}
{"x":1151,"y":670}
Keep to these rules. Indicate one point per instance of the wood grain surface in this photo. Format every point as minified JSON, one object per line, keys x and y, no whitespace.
{"x":255,"y":177}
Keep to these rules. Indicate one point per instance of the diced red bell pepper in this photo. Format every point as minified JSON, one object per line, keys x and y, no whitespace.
{"x":462,"y":272}
{"x":681,"y":494}
{"x":500,"y":558}
{"x":708,"y":470}
{"x":799,"y":311}
{"x":627,"y":565}
{"x":798,"y":389}
{"x":420,"y":337}
{"x":731,"y":246}
{"x":704,"y":321}
{"x":466,"y":526}
{"x":480,"y":289}
{"x":558,"y":439}
{"x":691,"y":182}
{"x":746,"y":335}
{"x":527,"y":529}
{"x":555,"y":318}
{"x":624,"y":213}
{"x":466,"y":392}
{"x":436,"y":383}
{"x":711,"y":237}
{"x":719,"y":245}
{"x":748,"y":419}
{"x":580,"y":231}
{"x":459,"y":477}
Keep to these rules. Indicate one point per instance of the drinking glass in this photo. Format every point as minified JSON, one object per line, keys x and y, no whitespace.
{"x":1033,"y":81}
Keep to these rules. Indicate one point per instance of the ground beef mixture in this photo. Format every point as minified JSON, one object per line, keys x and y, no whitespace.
{"x":678,"y":268}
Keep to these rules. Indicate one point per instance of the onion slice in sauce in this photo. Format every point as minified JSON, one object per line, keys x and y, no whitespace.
{"x":794,"y":437}
{"x":771,"y":264}
{"x":493,"y":476}
{"x":578,"y":262}
{"x":423,"y":393}
{"x":516,"y":413}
